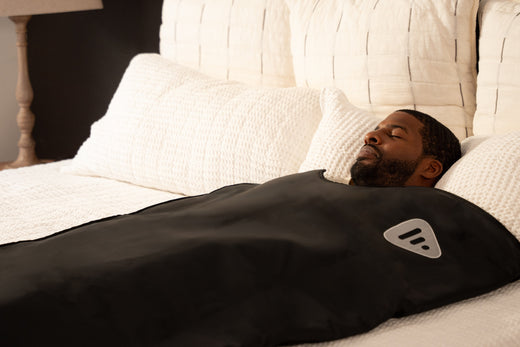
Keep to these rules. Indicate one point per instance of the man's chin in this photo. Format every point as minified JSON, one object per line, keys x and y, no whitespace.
{"x":370,"y":172}
{"x":364,"y":171}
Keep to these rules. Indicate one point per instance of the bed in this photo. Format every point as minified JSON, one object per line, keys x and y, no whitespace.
{"x":261,"y":105}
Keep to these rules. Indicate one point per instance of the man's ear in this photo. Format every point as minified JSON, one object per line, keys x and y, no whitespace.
{"x":431,"y":168}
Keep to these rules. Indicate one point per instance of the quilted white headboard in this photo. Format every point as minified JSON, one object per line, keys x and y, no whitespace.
{"x":242,"y":40}
{"x":498,"y":93}
{"x":391,"y":54}
{"x":384,"y":54}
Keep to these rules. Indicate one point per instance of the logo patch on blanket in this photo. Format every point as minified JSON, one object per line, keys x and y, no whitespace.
{"x":415,"y":235}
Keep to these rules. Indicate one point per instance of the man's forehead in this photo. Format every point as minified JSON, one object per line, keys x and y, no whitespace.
{"x":401,"y":120}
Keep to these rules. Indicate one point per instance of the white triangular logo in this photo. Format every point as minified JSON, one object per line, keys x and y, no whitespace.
{"x":414,"y":235}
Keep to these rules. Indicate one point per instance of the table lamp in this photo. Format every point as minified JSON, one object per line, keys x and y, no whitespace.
{"x":20,"y":11}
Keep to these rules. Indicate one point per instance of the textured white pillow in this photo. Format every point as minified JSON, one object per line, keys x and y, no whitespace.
{"x":244,"y":40}
{"x":498,"y":92}
{"x":488,"y":175}
{"x":172,"y":128}
{"x":391,"y":54}
{"x":339,"y":136}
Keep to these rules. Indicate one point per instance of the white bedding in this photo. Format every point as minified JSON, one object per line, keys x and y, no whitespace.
{"x":55,"y":201}
{"x":488,"y":320}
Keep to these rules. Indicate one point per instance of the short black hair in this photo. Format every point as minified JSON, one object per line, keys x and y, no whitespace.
{"x":438,"y":141}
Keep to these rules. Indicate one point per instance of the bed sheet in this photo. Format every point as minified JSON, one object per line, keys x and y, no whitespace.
{"x":39,"y":201}
{"x":488,"y":320}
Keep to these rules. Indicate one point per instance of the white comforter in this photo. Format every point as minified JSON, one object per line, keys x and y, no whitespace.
{"x":39,"y":201}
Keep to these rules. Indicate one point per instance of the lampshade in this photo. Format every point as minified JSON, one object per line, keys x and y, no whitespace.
{"x":31,"y":7}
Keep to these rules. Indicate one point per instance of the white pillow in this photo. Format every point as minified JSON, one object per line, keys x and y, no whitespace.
{"x":339,"y":137}
{"x":498,"y":92}
{"x":391,"y":54}
{"x":172,"y":128}
{"x":246,"y":41}
{"x":488,"y":176}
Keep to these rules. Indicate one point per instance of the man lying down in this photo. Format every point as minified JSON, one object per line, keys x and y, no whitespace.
{"x":408,"y":148}
{"x":297,"y":259}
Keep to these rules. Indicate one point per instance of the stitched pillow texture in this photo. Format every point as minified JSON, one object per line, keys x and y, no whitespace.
{"x":391,"y":54}
{"x":339,"y":137}
{"x":172,"y":128}
{"x":498,"y":79}
{"x":244,"y":40}
{"x":487,"y":175}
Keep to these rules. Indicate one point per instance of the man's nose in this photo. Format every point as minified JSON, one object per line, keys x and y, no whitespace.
{"x":373,"y":137}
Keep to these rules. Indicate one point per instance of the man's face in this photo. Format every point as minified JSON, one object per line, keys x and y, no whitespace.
{"x":391,"y":152}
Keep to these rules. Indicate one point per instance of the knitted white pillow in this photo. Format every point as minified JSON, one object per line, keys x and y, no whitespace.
{"x":391,"y":54}
{"x":498,"y":89}
{"x":246,"y":41}
{"x":488,"y":176}
{"x":339,"y":136}
{"x":172,"y":128}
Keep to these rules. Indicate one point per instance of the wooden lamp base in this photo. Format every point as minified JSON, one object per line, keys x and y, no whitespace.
{"x":24,"y":96}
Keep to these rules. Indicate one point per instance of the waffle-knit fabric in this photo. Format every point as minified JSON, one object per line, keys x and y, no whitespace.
{"x":38,"y":201}
{"x":391,"y":54}
{"x":241,"y":40}
{"x":498,"y":92}
{"x":488,"y":320}
{"x":171,"y":128}
{"x":488,"y":175}
{"x":339,"y":136}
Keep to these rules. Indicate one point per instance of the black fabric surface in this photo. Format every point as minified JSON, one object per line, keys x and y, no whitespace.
{"x":296,"y":259}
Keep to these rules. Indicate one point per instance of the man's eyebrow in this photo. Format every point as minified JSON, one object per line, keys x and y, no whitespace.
{"x":393,"y":126}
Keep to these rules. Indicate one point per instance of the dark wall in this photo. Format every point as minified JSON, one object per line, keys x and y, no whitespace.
{"x":76,"y":61}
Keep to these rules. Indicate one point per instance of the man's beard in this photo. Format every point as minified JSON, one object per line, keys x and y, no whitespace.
{"x":383,"y":172}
